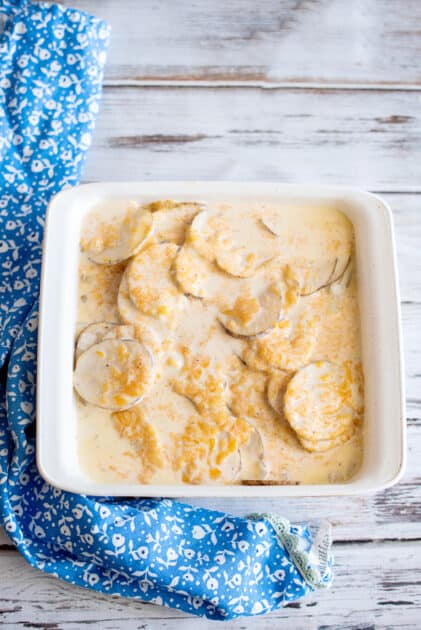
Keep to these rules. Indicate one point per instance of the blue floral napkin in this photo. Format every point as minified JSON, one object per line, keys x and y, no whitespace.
{"x":201,"y":561}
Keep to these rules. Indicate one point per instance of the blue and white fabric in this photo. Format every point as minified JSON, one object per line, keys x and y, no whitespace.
{"x":201,"y":561}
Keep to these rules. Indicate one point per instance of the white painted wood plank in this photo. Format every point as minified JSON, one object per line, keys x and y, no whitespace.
{"x":377,"y":585}
{"x":407,"y":219}
{"x":411,"y":320}
{"x":323,"y":41}
{"x":369,"y":139}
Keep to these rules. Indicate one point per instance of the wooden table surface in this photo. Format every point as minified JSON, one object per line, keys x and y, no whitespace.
{"x":324,"y":91}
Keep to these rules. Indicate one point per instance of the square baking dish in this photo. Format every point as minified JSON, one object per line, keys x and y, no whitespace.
{"x":384,"y":424}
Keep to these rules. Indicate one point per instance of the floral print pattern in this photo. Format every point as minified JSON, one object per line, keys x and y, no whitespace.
{"x":158,"y":550}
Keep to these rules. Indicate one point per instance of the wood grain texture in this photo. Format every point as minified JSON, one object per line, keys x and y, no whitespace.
{"x":366,"y":139}
{"x":377,"y":585}
{"x":310,"y":41}
{"x":407,"y":218}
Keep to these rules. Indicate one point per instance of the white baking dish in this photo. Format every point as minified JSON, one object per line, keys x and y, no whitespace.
{"x":384,"y":438}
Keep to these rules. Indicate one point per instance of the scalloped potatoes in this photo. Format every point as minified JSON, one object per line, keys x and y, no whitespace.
{"x":218,"y":344}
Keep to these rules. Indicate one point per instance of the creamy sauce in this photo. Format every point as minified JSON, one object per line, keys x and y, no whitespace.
{"x":262,"y":291}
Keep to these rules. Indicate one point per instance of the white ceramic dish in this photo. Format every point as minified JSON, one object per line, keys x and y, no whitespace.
{"x":384,"y":438}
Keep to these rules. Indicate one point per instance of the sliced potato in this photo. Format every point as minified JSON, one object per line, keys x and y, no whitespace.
{"x":240,"y":263}
{"x":224,"y":237}
{"x":203,"y":386}
{"x":114,"y":241}
{"x":141,"y":332}
{"x":200,"y":278}
{"x":134,"y":425}
{"x":276,"y":389}
{"x":172,"y":220}
{"x":314,"y":276}
{"x":320,"y":249}
{"x":319,"y":403}
{"x":247,"y":305}
{"x":151,"y":285}
{"x":320,"y":446}
{"x":252,"y":456}
{"x":288,"y":345}
{"x":196,"y":235}
{"x":92,"y":334}
{"x":128,"y":311}
{"x":98,"y":290}
{"x":252,"y":315}
{"x":79,"y":327}
{"x":206,"y":451}
{"x":163,"y":204}
{"x":114,"y":374}
{"x":123,"y":331}
{"x":147,"y":329}
{"x":309,"y":276}
{"x":224,"y":459}
{"x":343,"y":282}
{"x":199,"y":332}
{"x":218,"y":466}
{"x":246,"y":394}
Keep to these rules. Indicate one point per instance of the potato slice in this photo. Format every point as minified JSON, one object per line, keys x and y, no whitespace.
{"x":196,"y":236}
{"x":246,"y":394}
{"x":224,"y":458}
{"x":253,"y":314}
{"x":252,"y":456}
{"x":275,"y":391}
{"x":92,"y":334}
{"x":202,"y":383}
{"x":79,"y":327}
{"x":111,"y":241}
{"x":126,"y":308}
{"x":224,"y":237}
{"x":215,"y":469}
{"x":172,"y":219}
{"x":314,"y":276}
{"x":320,"y":446}
{"x":200,"y":278}
{"x":98,"y":290}
{"x":321,"y":247}
{"x":123,"y":331}
{"x":141,"y":332}
{"x":114,"y":374}
{"x":146,"y":329}
{"x":151,"y":285}
{"x":240,"y":263}
{"x":133,"y":425}
{"x":200,"y":333}
{"x":286,"y":346}
{"x":319,"y":403}
{"x":206,"y":451}
{"x":98,"y":331}
{"x":339,"y":286}
{"x":247,"y":306}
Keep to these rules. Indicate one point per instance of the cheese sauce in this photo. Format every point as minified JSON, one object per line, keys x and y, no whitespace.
{"x":256,"y":303}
